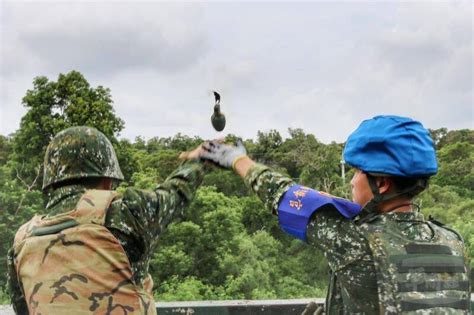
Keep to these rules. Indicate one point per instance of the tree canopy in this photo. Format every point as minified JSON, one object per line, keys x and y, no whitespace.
{"x":55,"y":105}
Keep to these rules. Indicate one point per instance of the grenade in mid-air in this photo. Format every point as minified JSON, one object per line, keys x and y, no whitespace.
{"x":218,"y":118}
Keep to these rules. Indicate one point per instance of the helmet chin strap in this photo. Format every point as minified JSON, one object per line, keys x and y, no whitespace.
{"x":370,"y":210}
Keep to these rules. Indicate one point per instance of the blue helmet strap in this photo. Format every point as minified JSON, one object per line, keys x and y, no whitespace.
{"x":370,"y":209}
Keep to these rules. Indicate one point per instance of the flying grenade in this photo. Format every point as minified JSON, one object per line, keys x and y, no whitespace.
{"x":218,"y":118}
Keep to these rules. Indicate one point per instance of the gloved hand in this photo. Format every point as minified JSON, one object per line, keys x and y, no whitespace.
{"x":224,"y":155}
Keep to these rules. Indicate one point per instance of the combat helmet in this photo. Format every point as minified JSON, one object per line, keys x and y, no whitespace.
{"x":79,"y":152}
{"x":392,"y":146}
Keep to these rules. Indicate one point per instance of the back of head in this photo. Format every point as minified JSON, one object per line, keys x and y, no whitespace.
{"x":79,"y":153}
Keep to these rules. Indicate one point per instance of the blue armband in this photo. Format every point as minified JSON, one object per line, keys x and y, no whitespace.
{"x":299,"y":203}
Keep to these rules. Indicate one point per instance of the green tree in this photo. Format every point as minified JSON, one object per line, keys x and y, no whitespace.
{"x":18,"y":203}
{"x":55,"y":105}
{"x":226,"y":182}
{"x":125,"y":156}
{"x":187,"y":289}
{"x":248,"y":268}
{"x":309,"y":161}
{"x":442,"y":136}
{"x":456,"y":167}
{"x":180,"y":142}
{"x":179,"y":252}
{"x":321,"y":168}
{"x":255,"y":217}
{"x":438,"y":136}
{"x":5,"y":149}
{"x":266,"y":146}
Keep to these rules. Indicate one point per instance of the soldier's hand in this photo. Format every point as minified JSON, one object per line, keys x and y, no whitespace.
{"x":224,"y":155}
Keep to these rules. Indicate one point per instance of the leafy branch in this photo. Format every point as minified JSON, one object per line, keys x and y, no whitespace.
{"x":28,"y":187}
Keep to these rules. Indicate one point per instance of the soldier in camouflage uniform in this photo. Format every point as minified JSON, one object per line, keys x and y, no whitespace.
{"x":90,"y":254}
{"x":384,"y":257}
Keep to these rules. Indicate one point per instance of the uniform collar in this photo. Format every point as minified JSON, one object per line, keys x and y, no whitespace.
{"x":402,"y":216}
{"x":63,"y":197}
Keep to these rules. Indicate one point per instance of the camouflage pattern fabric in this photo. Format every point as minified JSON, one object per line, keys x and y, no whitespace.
{"x":353,"y":288}
{"x":79,"y":152}
{"x":136,"y":219}
{"x":72,"y":263}
{"x":421,"y":267}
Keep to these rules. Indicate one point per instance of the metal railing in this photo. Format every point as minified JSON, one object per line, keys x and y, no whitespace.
{"x":233,"y":307}
{"x":236,"y":307}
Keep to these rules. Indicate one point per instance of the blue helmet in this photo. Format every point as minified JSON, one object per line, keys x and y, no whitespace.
{"x":392,"y":145}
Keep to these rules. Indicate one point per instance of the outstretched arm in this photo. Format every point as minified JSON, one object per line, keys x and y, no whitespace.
{"x":141,"y":215}
{"x":267,"y":184}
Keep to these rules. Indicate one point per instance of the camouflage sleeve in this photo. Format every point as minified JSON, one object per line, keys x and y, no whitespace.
{"x":268,"y":185}
{"x":16,"y":293}
{"x":144,"y":214}
{"x":338,"y":237}
{"x":328,"y":230}
{"x":178,"y":190}
{"x":139,"y":216}
{"x":349,"y":258}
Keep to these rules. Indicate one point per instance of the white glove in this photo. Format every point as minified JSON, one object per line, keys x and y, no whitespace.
{"x":222,"y":154}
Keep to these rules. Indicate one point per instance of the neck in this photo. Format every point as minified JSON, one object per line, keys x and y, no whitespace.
{"x":396,"y":205}
{"x":104,"y":184}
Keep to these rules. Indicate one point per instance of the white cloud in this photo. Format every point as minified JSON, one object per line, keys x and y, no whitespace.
{"x":103,"y":37}
{"x":318,"y":66}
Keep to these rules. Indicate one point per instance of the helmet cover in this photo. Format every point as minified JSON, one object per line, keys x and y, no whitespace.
{"x":392,"y":145}
{"x":80,"y":152}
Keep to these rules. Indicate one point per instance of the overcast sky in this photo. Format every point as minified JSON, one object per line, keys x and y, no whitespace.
{"x":319,"y":66}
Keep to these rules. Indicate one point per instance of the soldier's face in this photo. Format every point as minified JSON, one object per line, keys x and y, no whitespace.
{"x":361,"y":193}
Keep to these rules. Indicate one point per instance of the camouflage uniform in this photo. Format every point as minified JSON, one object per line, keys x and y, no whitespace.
{"x":135,"y":219}
{"x":353,"y":288}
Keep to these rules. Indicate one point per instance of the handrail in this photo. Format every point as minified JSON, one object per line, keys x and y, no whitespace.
{"x":228,"y":307}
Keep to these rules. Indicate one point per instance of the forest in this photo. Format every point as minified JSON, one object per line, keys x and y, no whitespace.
{"x":226,"y":245}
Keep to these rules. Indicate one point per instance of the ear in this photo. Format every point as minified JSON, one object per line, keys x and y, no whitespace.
{"x":384,"y":184}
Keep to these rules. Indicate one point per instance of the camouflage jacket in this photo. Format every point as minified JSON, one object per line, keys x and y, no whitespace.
{"x":353,"y":286}
{"x":136,"y":219}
